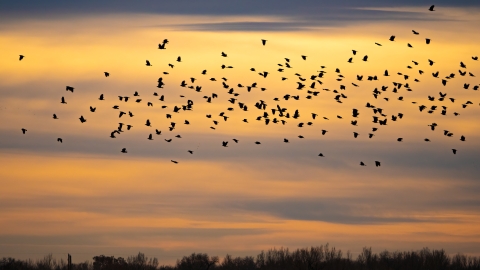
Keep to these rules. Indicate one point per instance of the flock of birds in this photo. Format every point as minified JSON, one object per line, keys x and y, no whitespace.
{"x":280,"y":114}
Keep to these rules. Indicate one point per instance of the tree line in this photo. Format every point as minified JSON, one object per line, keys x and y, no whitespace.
{"x":314,"y":258}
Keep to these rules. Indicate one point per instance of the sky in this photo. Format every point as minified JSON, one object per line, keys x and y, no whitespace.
{"x":84,"y":197}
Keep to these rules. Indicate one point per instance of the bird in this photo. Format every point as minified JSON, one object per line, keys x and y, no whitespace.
{"x":431,"y":8}
{"x":148,"y":123}
{"x":320,"y":155}
{"x":454,"y":151}
{"x":257,"y":142}
{"x":92,"y":109}
{"x":392,"y":38}
{"x":148,"y":63}
{"x":304,"y":57}
{"x":59,"y":140}
{"x":24,"y":130}
{"x":55,"y":116}
{"x":427,"y":40}
{"x":235,"y":140}
{"x":20,"y":57}
{"x":224,"y":54}
{"x":150,"y":137}
{"x":82,"y":120}
{"x":377,"y":163}
{"x":106,"y":74}
{"x":224,"y":143}
{"x":174,"y":161}
{"x":362,"y":164}
{"x":101,"y":97}
{"x":124,"y":150}
{"x":264,"y":41}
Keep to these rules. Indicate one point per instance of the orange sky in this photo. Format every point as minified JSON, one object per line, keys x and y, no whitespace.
{"x":86,"y":198}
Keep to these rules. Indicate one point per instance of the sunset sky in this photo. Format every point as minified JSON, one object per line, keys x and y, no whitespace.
{"x":86,"y":198}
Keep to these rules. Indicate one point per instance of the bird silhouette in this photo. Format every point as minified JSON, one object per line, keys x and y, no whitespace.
{"x":106,"y":74}
{"x":59,"y":140}
{"x":24,"y":130}
{"x":431,"y":8}
{"x":82,"y":119}
{"x":55,"y":116}
{"x":124,"y":150}
{"x":377,"y":163}
{"x":147,"y":63}
{"x":264,"y":42}
{"x":20,"y":57}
